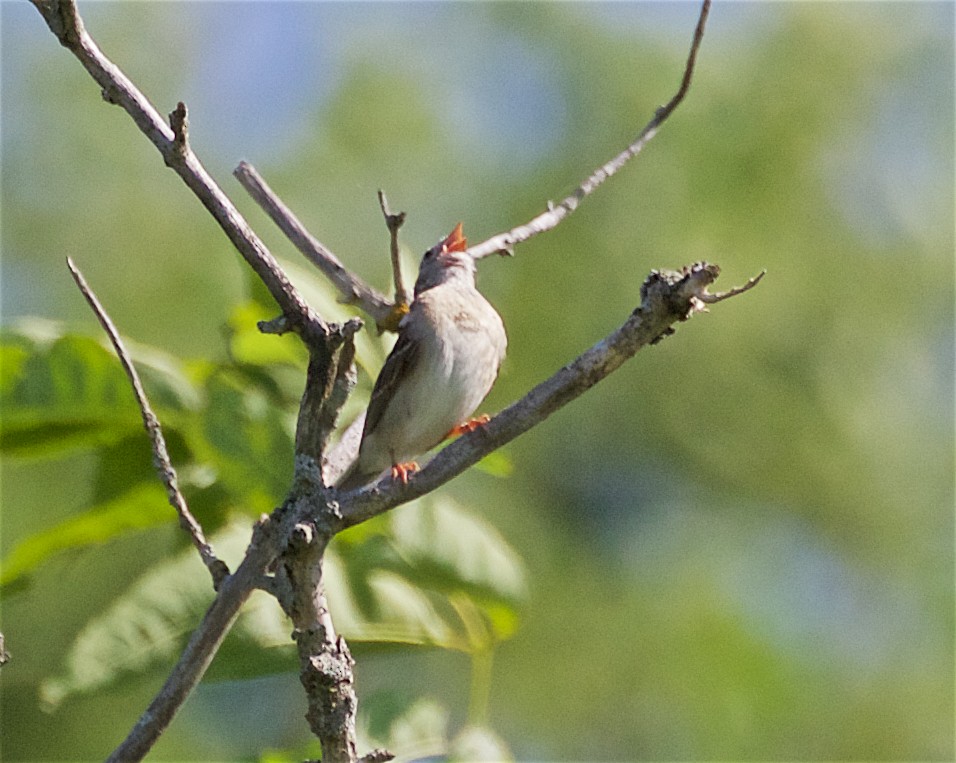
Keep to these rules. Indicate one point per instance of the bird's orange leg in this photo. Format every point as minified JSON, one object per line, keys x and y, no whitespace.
{"x":469,"y":426}
{"x":404,"y":471}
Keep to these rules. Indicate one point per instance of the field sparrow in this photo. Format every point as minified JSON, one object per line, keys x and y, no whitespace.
{"x":450,"y":346}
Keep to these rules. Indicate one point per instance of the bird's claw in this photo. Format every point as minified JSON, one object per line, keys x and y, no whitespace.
{"x":404,"y":471}
{"x":469,"y":426}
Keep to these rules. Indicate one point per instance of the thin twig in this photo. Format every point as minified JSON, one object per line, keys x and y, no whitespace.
{"x":202,"y":646}
{"x":711,"y":299}
{"x":505,"y":242}
{"x":394,"y":222}
{"x":164,"y":466}
{"x":352,"y":288}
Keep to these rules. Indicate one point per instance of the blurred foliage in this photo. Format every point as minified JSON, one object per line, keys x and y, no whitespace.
{"x":433,"y":575}
{"x":738,"y":547}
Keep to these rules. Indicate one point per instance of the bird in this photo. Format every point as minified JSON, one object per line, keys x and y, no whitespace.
{"x":449,"y":349}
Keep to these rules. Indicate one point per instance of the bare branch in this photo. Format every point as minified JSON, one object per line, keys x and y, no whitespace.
{"x":352,"y":288}
{"x":202,"y":646}
{"x":505,"y":242}
{"x":394,"y":223}
{"x":710,"y":299}
{"x":666,"y":298}
{"x":325,"y":661}
{"x":329,"y":381}
{"x":65,"y":22}
{"x":161,"y":461}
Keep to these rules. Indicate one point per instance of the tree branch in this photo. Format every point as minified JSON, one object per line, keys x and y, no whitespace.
{"x":352,"y":288}
{"x":202,"y":646}
{"x":505,"y":242}
{"x":325,"y":661}
{"x":64,"y":21}
{"x":394,"y":223}
{"x":329,"y":381}
{"x":164,"y":466}
{"x":666,"y":298}
{"x":712,"y":299}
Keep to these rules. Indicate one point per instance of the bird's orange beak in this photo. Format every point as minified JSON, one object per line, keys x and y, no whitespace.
{"x":456,"y":241}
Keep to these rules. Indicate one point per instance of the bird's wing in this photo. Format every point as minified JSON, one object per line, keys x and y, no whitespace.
{"x":398,"y":365}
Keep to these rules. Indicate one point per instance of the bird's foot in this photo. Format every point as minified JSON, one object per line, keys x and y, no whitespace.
{"x":404,"y":471}
{"x":469,"y":426}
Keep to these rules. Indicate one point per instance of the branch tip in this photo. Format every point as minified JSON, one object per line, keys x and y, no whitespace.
{"x":394,"y":221}
{"x":555,"y":213}
{"x":711,"y":299}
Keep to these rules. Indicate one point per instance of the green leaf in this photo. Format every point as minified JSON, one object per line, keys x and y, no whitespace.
{"x":249,"y":345}
{"x":497,"y":464}
{"x":142,"y":506}
{"x":431,"y":574}
{"x":420,"y":732}
{"x":148,"y":625}
{"x":61,"y":392}
{"x":246,"y":439}
{"x":402,"y":612}
{"x":450,"y":549}
{"x":423,"y":731}
{"x":67,"y":395}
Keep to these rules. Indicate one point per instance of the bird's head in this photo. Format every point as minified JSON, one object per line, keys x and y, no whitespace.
{"x":446,"y":261}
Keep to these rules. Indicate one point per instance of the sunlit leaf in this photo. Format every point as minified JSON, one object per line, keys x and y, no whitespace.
{"x":474,"y":744}
{"x":450,"y":548}
{"x":60,"y":392}
{"x":148,"y":624}
{"x":420,"y":732}
{"x":246,"y":440}
{"x":423,"y":732}
{"x":402,"y":613}
{"x":249,"y":345}
{"x":497,"y":464}
{"x":431,"y":573}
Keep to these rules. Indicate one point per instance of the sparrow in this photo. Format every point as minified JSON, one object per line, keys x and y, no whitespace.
{"x":446,"y":359}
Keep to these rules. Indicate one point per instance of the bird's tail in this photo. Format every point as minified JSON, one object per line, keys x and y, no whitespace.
{"x":354,"y":477}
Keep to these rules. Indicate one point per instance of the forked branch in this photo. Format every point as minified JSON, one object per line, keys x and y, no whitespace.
{"x":352,"y":288}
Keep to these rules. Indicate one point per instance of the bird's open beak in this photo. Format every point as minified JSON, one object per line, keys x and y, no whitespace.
{"x":455,"y":242}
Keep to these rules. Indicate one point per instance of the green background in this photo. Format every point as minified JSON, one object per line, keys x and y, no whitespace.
{"x":739,"y":546}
